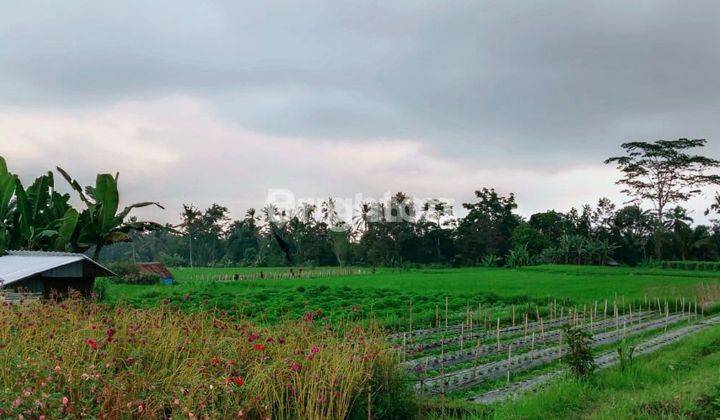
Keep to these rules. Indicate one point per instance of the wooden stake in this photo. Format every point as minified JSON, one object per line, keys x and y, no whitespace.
{"x":508,"y":362}
{"x":605,"y":310}
{"x":446,"y":312}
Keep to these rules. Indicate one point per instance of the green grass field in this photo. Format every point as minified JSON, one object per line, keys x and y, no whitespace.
{"x":387,"y":295}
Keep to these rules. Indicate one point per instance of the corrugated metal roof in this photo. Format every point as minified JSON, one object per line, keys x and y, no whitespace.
{"x":19,"y":265}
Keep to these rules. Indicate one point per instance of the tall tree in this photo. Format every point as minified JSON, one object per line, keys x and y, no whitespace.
{"x":664,"y":172}
{"x":487,"y":228}
{"x":191,"y":221}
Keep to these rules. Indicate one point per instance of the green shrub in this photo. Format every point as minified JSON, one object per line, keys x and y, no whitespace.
{"x":625,"y":355}
{"x":123,"y":268}
{"x":100,"y":288}
{"x":579,"y":358}
{"x":139,"y":278}
{"x":490,"y":260}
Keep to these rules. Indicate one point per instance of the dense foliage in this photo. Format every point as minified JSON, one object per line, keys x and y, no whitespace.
{"x":40,"y":218}
{"x":491,"y":234}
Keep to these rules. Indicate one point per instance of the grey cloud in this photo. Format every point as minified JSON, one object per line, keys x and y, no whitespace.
{"x":543,"y":85}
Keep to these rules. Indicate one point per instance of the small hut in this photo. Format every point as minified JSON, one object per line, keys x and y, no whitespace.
{"x":158,"y":268}
{"x":49,"y":273}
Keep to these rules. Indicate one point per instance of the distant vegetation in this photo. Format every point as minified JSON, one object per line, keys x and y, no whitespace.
{"x":663,"y":174}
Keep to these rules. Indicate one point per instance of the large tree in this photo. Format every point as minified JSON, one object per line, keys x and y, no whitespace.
{"x":487,"y":228}
{"x":664,"y":172}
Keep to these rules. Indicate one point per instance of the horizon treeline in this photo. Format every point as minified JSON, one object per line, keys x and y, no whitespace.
{"x":658,"y":177}
{"x":663,"y":173}
{"x":492,"y":234}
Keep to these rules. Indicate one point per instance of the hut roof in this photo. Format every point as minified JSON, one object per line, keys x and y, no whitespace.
{"x":155,"y":268}
{"x":19,"y":265}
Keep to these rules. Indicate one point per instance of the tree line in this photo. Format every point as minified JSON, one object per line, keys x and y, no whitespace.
{"x":658,"y":177}
{"x":663,"y":174}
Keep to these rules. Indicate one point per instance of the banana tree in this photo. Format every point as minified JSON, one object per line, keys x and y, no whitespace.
{"x":43,"y":218}
{"x":7,"y":190}
{"x":100,"y":224}
{"x":36,"y":218}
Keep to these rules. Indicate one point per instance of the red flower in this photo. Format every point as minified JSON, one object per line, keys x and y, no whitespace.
{"x":252,"y":337}
{"x":295,"y":367}
{"x":110,"y":333}
{"x":238,"y":381}
{"x":314,"y":349}
{"x":308,"y":317}
{"x":92,"y":343}
{"x":214,"y":361}
{"x":259,"y":347}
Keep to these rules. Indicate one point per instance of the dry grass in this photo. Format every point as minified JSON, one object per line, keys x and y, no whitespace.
{"x":77,"y":358}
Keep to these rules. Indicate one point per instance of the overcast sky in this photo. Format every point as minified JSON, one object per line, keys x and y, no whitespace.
{"x":201,"y":102}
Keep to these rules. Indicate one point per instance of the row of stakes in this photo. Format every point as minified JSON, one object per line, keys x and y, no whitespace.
{"x":574,"y":317}
{"x":532,"y":355}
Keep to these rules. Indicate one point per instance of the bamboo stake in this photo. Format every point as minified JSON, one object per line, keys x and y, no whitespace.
{"x":508,"y":362}
{"x":605,"y":310}
{"x":532,"y":345}
{"x":446,"y":313}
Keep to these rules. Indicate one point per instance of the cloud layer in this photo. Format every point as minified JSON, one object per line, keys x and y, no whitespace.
{"x":201,"y":102}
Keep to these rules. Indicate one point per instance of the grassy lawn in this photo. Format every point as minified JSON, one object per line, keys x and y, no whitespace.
{"x":386,"y":295}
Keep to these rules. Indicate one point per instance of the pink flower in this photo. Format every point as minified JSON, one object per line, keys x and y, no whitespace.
{"x":295,"y":367}
{"x":309,"y":316}
{"x":65,"y":401}
{"x":252,"y":337}
{"x":315,"y":349}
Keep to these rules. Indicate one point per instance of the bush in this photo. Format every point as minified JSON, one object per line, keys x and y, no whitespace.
{"x":100,"y":288}
{"x":579,"y":357}
{"x":123,"y":268}
{"x":139,"y":278}
{"x":625,"y":355}
{"x":490,"y":260}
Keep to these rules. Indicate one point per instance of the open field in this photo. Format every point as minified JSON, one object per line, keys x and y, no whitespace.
{"x":387,"y":294}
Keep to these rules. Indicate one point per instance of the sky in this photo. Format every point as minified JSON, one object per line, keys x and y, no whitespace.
{"x":201,"y":102}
